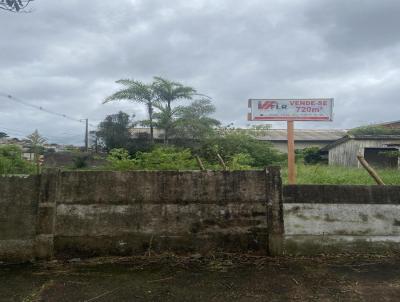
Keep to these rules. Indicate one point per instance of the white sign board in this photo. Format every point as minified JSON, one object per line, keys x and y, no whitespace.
{"x":290,"y":110}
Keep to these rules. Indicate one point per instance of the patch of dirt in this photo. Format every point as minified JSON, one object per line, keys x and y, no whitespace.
{"x":223,"y":277}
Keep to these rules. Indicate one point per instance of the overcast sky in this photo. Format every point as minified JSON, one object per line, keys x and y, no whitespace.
{"x":67,"y":54}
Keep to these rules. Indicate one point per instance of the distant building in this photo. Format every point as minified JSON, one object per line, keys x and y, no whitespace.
{"x":374,"y":148}
{"x":304,"y":138}
{"x":278,"y":137}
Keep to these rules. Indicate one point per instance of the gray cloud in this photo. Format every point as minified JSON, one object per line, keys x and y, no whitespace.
{"x":67,"y":56}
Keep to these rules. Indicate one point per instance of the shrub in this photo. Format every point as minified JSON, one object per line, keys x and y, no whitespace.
{"x":120,"y":160}
{"x":80,"y":161}
{"x":160,"y":158}
{"x":166,"y":158}
{"x":11,"y":161}
{"x":312,"y":156}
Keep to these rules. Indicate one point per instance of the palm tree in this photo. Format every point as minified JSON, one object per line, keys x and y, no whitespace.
{"x":36,"y":141}
{"x":137,"y":92}
{"x":166,"y":92}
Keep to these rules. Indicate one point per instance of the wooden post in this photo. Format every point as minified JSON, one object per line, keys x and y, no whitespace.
{"x":200,"y":163}
{"x":221,"y":161}
{"x":370,"y":170}
{"x":291,"y":155}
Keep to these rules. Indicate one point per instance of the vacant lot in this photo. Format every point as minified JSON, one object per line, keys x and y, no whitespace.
{"x":324,"y":174}
{"x":222,"y":278}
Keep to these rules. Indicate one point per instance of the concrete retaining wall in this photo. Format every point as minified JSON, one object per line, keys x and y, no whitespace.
{"x":340,"y":218}
{"x":133,"y":212}
{"x":18,"y":212}
{"x":123,"y":213}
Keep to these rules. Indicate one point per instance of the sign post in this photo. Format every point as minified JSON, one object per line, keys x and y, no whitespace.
{"x":291,"y":154}
{"x":290,"y":110}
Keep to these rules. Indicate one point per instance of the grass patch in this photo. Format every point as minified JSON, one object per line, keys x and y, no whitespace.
{"x":323,"y":174}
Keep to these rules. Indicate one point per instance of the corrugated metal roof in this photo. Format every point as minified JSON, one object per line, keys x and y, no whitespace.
{"x":303,"y":135}
{"x":395,"y":138}
{"x":327,"y":135}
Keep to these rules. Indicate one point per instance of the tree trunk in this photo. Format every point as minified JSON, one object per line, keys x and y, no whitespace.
{"x":165,"y":137}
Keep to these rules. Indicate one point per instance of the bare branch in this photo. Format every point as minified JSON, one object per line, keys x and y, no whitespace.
{"x":15,"y":6}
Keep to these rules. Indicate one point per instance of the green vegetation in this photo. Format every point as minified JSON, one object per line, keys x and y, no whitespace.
{"x":239,"y":147}
{"x":311,"y":156}
{"x":11,"y":161}
{"x":160,"y":158}
{"x":189,"y":131}
{"x":323,"y":174}
{"x":36,"y":144}
{"x":160,"y":94}
{"x":168,"y":158}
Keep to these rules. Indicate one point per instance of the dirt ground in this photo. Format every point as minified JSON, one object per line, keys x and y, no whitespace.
{"x":224,"y":277}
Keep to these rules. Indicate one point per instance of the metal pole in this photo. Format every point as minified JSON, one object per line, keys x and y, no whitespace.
{"x":291,"y":155}
{"x":87,"y":135}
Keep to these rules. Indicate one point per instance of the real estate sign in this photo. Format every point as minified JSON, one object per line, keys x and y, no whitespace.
{"x":290,"y":110}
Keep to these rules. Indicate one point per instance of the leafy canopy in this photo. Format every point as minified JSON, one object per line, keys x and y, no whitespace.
{"x":114,"y":130}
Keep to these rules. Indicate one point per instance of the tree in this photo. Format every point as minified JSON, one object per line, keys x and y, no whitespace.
{"x":3,"y":135}
{"x":36,"y":142}
{"x":114,"y":130}
{"x":137,"y":92}
{"x":167,"y":92}
{"x":14,"y":5}
{"x":231,"y":142}
{"x":194,"y":122}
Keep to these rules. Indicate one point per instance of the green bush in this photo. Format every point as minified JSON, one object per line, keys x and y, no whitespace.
{"x":166,"y":158}
{"x":259,"y":154}
{"x":120,"y":160}
{"x":240,"y":161}
{"x":160,"y":158}
{"x":80,"y":161}
{"x":312,"y":156}
{"x":11,"y":161}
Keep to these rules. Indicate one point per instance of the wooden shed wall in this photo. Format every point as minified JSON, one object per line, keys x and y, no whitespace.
{"x":345,"y":154}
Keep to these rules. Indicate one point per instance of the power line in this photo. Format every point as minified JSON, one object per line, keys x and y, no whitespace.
{"x":23,"y":133}
{"x":41,"y":108}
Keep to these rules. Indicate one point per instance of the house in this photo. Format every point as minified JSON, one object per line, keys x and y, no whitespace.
{"x":303,"y":138}
{"x":374,"y":148}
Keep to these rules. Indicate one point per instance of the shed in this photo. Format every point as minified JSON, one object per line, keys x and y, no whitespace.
{"x":374,"y":148}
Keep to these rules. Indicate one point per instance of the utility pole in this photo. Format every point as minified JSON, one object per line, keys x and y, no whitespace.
{"x":87,"y":135}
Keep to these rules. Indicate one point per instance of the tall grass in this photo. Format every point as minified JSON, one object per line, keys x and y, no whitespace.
{"x":323,"y":174}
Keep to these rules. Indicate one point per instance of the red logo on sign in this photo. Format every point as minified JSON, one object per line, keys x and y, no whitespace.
{"x":267,"y":105}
